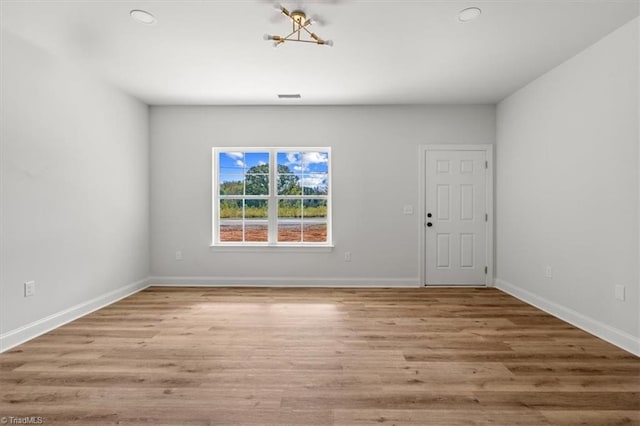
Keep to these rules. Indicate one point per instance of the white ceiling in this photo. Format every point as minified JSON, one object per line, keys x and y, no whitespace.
{"x":386,"y":52}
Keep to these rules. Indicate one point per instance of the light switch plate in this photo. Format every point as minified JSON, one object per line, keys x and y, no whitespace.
{"x":29,"y":288}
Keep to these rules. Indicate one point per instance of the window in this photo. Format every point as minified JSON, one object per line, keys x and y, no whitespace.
{"x":271,"y":196}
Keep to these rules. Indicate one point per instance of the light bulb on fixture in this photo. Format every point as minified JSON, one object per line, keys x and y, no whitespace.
{"x":284,"y":11}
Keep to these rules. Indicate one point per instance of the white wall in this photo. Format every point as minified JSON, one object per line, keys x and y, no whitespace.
{"x":567,"y":189}
{"x":74,"y":191}
{"x":375,"y":173}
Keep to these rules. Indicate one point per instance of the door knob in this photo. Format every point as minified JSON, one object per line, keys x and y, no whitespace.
{"x":429,"y":224}
{"x":429,"y":215}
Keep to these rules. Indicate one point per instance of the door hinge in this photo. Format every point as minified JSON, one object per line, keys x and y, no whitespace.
{"x":486,"y":270}
{"x":486,"y":217}
{"x":486,"y":164}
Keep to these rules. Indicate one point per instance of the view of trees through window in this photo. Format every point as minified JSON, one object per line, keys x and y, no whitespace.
{"x":295,"y":192}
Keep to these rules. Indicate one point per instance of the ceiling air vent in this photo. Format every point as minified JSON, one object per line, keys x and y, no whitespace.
{"x":289,"y":96}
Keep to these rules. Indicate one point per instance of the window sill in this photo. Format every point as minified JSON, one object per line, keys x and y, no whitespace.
{"x":293,"y":248}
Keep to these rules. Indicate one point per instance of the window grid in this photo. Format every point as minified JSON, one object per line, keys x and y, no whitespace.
{"x":304,"y":221}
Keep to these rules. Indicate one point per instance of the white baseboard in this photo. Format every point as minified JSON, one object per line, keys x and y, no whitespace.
{"x":612,"y":335}
{"x":20,"y":335}
{"x":282,"y":282}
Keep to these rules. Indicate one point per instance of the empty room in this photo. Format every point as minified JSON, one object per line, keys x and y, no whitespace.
{"x":323,"y":212}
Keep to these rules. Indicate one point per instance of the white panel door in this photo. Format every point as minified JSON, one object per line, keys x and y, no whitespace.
{"x":456,"y":217}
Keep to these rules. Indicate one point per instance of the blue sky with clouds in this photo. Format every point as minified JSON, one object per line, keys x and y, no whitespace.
{"x":311,"y":167}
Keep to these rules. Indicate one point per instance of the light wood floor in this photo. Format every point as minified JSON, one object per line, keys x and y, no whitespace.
{"x":212,"y":356}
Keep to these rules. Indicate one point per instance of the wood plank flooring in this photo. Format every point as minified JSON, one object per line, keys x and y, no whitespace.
{"x":317,"y":356}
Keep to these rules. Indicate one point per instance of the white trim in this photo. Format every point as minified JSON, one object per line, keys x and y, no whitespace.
{"x":422,"y":212}
{"x":488,"y":149}
{"x":455,"y":147}
{"x":20,"y":335}
{"x":272,"y":248}
{"x":27,"y":332}
{"x":638,"y":189}
{"x":612,"y":335}
{"x":282,"y":282}
{"x":490,"y":279}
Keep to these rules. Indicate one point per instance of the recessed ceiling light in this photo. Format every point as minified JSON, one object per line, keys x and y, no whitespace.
{"x":469,"y":14}
{"x":142,"y":16}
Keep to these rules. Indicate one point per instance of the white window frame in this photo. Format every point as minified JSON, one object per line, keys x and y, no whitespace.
{"x":272,"y":199}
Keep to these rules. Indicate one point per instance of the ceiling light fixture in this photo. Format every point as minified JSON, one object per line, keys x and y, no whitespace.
{"x":300,"y":24}
{"x":469,"y":14}
{"x":142,"y":16}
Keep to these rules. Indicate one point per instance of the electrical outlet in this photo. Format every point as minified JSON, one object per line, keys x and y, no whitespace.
{"x":29,"y":288}
{"x":347,"y":256}
{"x":179,"y":255}
{"x":548,"y":272}
{"x":620,"y":292}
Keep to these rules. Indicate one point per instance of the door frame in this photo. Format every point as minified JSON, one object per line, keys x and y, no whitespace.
{"x":422,"y":185}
